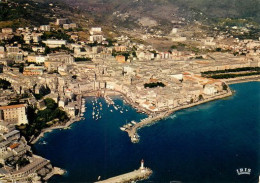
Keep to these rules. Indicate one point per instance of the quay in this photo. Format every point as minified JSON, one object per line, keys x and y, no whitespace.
{"x":132,"y":131}
{"x":141,"y":174}
{"x":55,"y":171}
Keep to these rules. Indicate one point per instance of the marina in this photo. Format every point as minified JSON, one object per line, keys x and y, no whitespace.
{"x":164,"y":146}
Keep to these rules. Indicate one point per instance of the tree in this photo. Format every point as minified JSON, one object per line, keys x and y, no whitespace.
{"x":50,"y":103}
{"x":153,"y":85}
{"x":5,"y":84}
{"x":224,"y":86}
{"x":201,"y":97}
{"x":47,"y":50}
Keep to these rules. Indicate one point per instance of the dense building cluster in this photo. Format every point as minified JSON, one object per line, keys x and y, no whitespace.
{"x":51,"y":62}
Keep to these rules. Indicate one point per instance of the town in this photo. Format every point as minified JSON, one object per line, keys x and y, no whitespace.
{"x":46,"y":71}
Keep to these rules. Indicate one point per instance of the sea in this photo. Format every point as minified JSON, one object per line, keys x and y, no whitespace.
{"x":216,"y":142}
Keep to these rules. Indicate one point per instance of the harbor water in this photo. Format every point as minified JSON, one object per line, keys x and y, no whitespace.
{"x":205,"y":143}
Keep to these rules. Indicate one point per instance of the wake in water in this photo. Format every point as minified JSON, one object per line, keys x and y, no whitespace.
{"x":172,"y":116}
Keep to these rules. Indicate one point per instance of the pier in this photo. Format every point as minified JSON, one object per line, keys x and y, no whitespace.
{"x":141,"y":174}
{"x":132,"y":131}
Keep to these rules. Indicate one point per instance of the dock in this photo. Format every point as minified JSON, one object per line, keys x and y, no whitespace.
{"x":132,"y":131}
{"x":140,"y":174}
{"x":55,"y":171}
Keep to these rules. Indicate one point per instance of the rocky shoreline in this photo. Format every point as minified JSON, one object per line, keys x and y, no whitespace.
{"x":50,"y":129}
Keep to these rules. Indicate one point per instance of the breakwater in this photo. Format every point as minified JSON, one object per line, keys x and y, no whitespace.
{"x":132,"y":131}
{"x":140,"y":174}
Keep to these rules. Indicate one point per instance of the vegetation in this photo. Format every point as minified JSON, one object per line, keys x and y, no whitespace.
{"x":5,"y":84}
{"x":21,"y":13}
{"x":42,"y":92}
{"x":232,"y":70}
{"x":17,"y":39}
{"x":41,"y":119}
{"x":56,"y":35}
{"x":79,"y":59}
{"x":224,"y":8}
{"x":153,"y":85}
{"x":57,"y":49}
{"x":226,"y":76}
{"x":179,"y":46}
{"x":22,"y":162}
{"x":201,"y":97}
{"x":224,"y":86}
{"x":232,"y":73}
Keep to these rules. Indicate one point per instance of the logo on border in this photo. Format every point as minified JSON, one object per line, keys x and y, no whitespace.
{"x":243,"y":171}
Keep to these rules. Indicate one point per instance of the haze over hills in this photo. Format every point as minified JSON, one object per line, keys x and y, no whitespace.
{"x":164,"y":9}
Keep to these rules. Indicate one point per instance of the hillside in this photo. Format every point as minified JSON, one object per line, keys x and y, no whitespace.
{"x":21,"y":13}
{"x":164,"y":9}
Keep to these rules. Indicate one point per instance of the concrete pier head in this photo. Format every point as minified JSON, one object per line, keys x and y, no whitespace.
{"x":141,"y":174}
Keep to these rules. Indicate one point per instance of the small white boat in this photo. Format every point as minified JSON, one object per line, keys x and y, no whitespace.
{"x":133,"y":122}
{"x":121,"y":111}
{"x":122,"y":128}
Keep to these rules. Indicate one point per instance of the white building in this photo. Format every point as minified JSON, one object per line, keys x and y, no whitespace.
{"x":210,"y":89}
{"x":53,"y":43}
{"x":45,"y":27}
{"x":95,"y":30}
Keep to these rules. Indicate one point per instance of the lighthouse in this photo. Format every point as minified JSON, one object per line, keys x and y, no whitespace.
{"x":142,"y":165}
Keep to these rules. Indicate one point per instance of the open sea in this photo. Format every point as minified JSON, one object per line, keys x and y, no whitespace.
{"x":202,"y":144}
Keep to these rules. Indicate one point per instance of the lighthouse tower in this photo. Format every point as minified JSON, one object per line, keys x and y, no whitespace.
{"x":142,"y":165}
